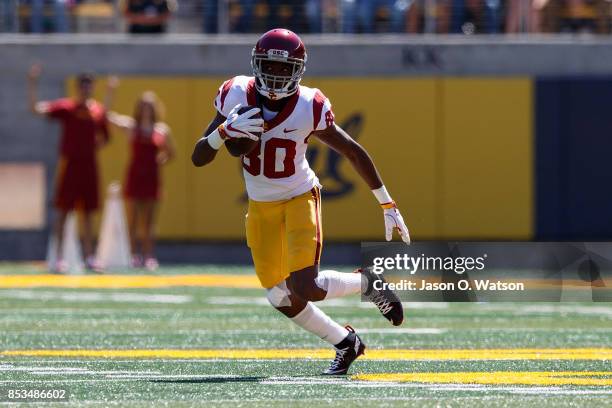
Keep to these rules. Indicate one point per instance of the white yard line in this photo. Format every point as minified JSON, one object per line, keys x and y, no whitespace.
{"x":168,"y":376}
{"x":353,"y":301}
{"x":433,"y":387}
{"x":262,"y":301}
{"x":95,"y":372}
{"x":564,"y":392}
{"x":123,"y":375}
{"x":37,"y":368}
{"x":78,"y":314}
{"x":91,"y":311}
{"x":66,"y":371}
{"x":405,"y":330}
{"x":426,"y":305}
{"x":554,"y":390}
{"x":62,"y":373}
{"x":518,"y":308}
{"x":118,"y":297}
{"x":237,"y":300}
{"x":59,"y":381}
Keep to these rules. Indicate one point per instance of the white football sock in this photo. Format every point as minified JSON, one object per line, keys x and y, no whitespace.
{"x":317,"y":322}
{"x":338,"y":284}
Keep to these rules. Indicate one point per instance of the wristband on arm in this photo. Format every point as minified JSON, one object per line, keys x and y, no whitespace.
{"x":383,"y":197}
{"x":216,"y":139}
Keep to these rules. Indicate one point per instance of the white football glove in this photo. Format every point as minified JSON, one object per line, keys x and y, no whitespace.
{"x":394,"y":221}
{"x":239,"y":126}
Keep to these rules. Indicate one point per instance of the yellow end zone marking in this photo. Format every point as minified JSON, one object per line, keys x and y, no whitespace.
{"x":153,"y":281}
{"x":600,"y":378}
{"x":388,"y":354}
{"x":128,"y":281}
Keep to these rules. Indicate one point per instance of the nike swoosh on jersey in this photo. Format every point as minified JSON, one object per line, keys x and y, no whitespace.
{"x":289,"y":130}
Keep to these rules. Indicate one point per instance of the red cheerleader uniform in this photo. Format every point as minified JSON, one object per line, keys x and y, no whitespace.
{"x":143,"y":179}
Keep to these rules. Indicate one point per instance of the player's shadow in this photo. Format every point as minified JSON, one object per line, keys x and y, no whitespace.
{"x":210,"y":380}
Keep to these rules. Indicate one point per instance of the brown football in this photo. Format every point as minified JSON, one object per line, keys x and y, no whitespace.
{"x":239,"y":146}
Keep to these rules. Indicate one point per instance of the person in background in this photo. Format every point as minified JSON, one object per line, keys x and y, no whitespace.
{"x":475,"y":16}
{"x":151,"y":146}
{"x":60,"y":15}
{"x":148,"y":16}
{"x":210,"y":13}
{"x":287,"y":13}
{"x":525,"y":18}
{"x":84,"y":131}
{"x":424,"y":16}
{"x":580,"y":16}
{"x":8,"y":16}
{"x":360,"y":15}
{"x":246,"y":18}
{"x":313,"y":9}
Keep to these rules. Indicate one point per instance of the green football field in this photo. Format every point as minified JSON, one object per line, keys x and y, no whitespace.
{"x":205,"y":335}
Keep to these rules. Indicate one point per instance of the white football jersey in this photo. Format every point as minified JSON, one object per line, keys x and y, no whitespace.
{"x":277,"y":168}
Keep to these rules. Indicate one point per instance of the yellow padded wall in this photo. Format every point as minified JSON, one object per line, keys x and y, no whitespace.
{"x":399,"y":133}
{"x":217,"y":190}
{"x":486,"y":158}
{"x":455,"y":153}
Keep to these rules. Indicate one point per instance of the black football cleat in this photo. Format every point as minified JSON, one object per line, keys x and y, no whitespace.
{"x":385,"y":300}
{"x":347,"y":351}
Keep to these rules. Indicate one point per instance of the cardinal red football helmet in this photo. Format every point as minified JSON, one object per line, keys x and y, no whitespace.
{"x":278,"y":45}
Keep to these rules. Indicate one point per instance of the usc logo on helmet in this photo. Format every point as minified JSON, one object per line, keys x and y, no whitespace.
{"x":281,"y":54}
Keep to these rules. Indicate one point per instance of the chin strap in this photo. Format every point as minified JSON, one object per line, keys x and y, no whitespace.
{"x":273,"y":95}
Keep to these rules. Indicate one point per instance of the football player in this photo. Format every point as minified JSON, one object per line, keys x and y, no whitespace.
{"x":283,"y":224}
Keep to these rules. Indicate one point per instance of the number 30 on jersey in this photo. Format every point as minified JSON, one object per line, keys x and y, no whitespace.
{"x":252,"y":161}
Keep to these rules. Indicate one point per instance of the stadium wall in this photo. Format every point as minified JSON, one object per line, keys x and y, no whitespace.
{"x":492,"y":143}
{"x":574,"y":146}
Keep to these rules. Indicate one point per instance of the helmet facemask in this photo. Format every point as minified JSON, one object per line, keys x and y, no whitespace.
{"x":277,"y":86}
